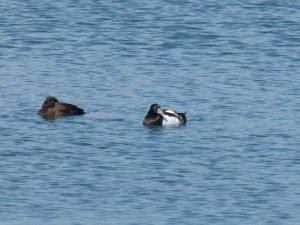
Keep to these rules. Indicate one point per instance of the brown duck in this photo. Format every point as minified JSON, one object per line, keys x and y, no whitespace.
{"x":53,"y":108}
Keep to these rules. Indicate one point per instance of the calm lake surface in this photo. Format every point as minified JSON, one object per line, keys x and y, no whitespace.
{"x":234,"y":66}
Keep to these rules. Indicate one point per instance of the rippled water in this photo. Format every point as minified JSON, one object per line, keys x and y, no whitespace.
{"x":233,"y":65}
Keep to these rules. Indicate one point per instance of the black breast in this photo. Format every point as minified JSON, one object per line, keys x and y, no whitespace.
{"x":153,"y":120}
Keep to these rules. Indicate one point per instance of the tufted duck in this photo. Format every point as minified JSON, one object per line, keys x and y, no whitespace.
{"x":163,"y":117}
{"x":52,"y":108}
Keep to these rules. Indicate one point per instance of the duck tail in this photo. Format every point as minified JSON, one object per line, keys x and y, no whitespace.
{"x":183,"y":117}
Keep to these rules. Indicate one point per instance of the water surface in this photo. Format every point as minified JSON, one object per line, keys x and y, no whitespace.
{"x":234,"y":66}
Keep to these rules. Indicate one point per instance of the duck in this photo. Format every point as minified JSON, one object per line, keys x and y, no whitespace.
{"x":163,"y":117}
{"x":53,"y":108}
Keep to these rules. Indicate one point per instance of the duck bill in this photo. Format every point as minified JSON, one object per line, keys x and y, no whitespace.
{"x":159,"y":111}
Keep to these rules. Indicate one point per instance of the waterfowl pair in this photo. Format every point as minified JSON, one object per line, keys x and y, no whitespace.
{"x":53,"y":108}
{"x":163,"y":117}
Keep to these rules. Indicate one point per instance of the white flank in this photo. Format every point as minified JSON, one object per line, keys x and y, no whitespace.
{"x":170,"y":121}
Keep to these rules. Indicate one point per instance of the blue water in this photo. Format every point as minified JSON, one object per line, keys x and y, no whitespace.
{"x":233,"y":65}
